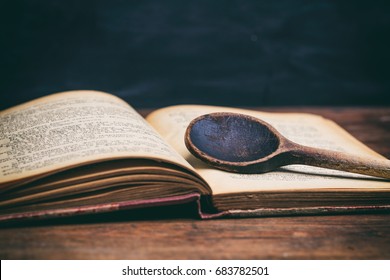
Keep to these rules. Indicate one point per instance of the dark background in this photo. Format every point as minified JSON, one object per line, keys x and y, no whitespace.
{"x":239,"y":53}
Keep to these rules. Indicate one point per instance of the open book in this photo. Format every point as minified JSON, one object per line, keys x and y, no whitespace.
{"x":83,"y":152}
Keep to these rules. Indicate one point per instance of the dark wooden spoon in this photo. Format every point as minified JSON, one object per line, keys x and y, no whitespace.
{"x":244,"y":144}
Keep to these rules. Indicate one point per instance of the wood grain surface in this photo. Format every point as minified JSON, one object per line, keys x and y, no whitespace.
{"x":176,"y":232}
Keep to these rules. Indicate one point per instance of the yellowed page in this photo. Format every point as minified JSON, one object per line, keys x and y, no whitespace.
{"x":73,"y":128}
{"x":306,"y":129}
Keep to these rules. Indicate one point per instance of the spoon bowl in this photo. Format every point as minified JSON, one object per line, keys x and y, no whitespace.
{"x":245,"y":144}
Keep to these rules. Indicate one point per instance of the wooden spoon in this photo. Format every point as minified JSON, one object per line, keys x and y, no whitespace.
{"x":244,"y":144}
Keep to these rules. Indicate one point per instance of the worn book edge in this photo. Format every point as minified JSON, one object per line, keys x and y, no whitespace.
{"x":204,"y":211}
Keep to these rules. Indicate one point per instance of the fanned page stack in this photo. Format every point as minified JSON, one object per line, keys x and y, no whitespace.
{"x":83,"y":152}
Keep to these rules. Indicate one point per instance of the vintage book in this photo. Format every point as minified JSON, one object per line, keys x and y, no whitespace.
{"x":83,"y":152}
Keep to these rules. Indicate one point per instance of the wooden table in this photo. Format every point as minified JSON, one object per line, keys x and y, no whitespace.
{"x":177,"y":233}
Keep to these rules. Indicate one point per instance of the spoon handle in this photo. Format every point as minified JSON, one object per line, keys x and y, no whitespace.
{"x":340,"y":161}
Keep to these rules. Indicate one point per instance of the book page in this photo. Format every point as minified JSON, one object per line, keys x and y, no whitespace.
{"x":73,"y":128}
{"x":305,"y":129}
